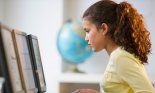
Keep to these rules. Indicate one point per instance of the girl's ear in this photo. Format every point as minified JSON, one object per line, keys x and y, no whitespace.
{"x":104,"y":28}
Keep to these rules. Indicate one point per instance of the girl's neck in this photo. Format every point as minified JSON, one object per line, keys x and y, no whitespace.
{"x":111,"y":47}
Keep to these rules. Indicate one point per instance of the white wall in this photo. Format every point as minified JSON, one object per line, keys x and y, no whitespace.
{"x":151,"y":25}
{"x":74,"y":9}
{"x":1,"y":11}
{"x":42,"y":18}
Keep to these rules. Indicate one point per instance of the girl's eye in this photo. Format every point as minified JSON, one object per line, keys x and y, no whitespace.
{"x":87,"y":31}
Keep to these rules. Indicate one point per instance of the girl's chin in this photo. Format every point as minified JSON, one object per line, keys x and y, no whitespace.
{"x":96,"y":50}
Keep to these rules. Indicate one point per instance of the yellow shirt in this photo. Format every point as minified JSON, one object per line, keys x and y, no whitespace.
{"x":125,"y":74}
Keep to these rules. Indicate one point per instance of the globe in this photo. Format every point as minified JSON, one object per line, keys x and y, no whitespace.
{"x":71,"y":43}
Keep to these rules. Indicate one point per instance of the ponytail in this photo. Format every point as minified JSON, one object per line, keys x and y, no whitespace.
{"x":133,"y":35}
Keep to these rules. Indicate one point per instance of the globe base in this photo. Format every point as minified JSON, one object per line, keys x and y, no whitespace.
{"x":71,"y":68}
{"x":75,"y":69}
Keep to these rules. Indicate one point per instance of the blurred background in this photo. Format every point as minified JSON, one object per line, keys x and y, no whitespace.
{"x":44,"y":18}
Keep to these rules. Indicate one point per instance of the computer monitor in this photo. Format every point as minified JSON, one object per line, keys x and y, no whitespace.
{"x":37,"y":63}
{"x":25,"y":61}
{"x":8,"y":62}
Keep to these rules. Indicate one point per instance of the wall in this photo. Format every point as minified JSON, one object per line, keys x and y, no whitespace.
{"x":1,"y":11}
{"x":73,"y":9}
{"x":150,"y":22}
{"x":42,"y":18}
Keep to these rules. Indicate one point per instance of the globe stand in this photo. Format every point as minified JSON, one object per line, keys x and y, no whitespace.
{"x":75,"y":69}
{"x":71,"y":68}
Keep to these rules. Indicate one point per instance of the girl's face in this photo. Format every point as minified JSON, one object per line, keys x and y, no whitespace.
{"x":96,"y":37}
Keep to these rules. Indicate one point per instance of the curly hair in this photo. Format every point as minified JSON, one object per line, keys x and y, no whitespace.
{"x":126,"y":26}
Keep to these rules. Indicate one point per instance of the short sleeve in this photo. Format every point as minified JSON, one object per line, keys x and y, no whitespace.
{"x":133,"y":74}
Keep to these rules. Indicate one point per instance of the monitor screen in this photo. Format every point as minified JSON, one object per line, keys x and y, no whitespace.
{"x":25,"y":61}
{"x":37,"y":62}
{"x":9,"y":63}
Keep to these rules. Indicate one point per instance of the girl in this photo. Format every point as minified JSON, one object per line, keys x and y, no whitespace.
{"x":120,"y":30}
